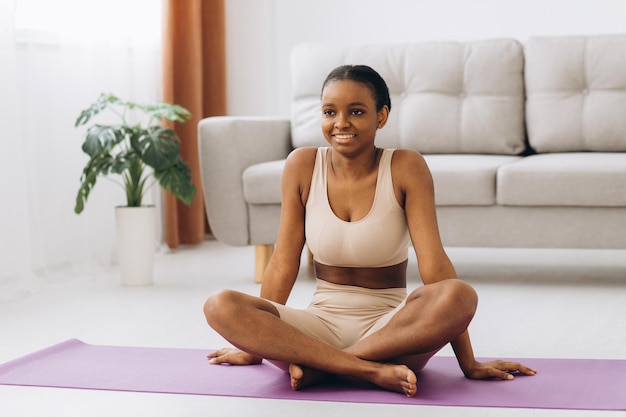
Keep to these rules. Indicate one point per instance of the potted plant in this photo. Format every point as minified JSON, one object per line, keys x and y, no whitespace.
{"x":142,"y":155}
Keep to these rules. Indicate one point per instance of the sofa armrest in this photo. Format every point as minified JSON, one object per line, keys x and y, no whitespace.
{"x":228,"y":145}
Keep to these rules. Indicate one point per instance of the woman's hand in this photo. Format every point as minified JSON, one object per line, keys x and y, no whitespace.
{"x":497,"y":369}
{"x":233,"y":356}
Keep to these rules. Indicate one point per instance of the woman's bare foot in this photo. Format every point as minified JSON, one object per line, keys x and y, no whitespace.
{"x":398,"y":378}
{"x":302,"y":377}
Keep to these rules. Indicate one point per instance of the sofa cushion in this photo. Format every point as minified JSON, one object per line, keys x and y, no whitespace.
{"x":458,"y":179}
{"x":466,"y":179}
{"x":576,"y":89}
{"x":261,"y":182}
{"x":568,"y":179}
{"x":447,"y":97}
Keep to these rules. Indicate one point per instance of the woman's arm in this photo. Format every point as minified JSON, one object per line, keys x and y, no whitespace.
{"x":283,"y":267}
{"x":415,"y":186}
{"x":416,"y":191}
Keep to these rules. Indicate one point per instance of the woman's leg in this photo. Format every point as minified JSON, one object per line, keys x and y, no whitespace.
{"x":432,"y":316}
{"x":253,"y":325}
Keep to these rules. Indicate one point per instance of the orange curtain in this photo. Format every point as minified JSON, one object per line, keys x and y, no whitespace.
{"x":194,"y":76}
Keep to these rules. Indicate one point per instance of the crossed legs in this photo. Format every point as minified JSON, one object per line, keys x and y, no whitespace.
{"x":389,"y":357}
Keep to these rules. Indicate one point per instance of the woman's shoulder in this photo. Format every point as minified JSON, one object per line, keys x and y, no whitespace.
{"x":408,"y":158}
{"x":409,"y":165}
{"x":303,"y":154}
{"x":301,"y":160}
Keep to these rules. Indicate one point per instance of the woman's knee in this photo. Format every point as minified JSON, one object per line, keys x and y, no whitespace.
{"x":220,"y":305}
{"x":461,"y":297}
{"x":224,"y":308}
{"x":451,"y":295}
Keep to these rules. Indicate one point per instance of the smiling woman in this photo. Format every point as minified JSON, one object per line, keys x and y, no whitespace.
{"x":56,"y":56}
{"x":357,"y":207}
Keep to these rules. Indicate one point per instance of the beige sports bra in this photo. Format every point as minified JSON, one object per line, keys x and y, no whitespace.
{"x":380,"y":239}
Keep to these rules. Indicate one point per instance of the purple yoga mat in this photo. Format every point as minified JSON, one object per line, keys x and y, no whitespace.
{"x":560,"y":383}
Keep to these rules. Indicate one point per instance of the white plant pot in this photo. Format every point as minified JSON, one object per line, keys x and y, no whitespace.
{"x":136,"y":243}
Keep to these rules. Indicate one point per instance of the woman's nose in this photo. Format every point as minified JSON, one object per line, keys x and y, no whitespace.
{"x":341,"y":121}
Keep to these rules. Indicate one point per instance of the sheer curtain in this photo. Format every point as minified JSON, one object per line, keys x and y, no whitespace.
{"x":57,"y":57}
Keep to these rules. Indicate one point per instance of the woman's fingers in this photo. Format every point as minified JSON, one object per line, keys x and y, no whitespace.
{"x":506,"y":370}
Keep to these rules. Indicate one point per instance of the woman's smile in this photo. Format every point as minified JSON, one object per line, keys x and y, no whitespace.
{"x":343,"y":137}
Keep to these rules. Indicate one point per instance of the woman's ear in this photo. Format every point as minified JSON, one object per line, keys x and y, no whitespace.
{"x":383,"y":116}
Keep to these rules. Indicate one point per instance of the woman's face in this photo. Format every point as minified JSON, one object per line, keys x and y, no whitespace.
{"x":349,"y":115}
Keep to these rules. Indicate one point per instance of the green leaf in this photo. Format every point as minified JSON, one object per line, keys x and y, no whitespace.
{"x":167,"y":111}
{"x":98,"y":139}
{"x":112,"y":99}
{"x":158,"y":147}
{"x":177,"y":180}
{"x":120,"y":163}
{"x":101,"y":103}
{"x":98,"y":165}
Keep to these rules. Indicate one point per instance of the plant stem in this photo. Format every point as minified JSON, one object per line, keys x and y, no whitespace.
{"x":134,"y":182}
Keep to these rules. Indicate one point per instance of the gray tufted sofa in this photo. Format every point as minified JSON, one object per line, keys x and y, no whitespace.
{"x":526,"y":142}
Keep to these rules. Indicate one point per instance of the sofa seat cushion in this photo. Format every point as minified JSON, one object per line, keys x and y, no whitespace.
{"x":466,"y":179}
{"x":261,"y":182}
{"x":566,"y":179}
{"x":576,"y":88}
{"x":459,"y":179}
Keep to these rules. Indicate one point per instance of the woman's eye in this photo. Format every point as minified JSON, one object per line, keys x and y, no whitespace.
{"x":357,"y":112}
{"x":328,"y":112}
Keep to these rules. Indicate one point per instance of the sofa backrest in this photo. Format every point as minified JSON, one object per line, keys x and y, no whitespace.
{"x":576,"y":88}
{"x":447,"y":97}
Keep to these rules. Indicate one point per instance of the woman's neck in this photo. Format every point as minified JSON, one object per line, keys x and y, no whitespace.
{"x":354,"y":166}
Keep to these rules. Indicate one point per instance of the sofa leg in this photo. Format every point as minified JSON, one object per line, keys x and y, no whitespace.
{"x":263,"y":253}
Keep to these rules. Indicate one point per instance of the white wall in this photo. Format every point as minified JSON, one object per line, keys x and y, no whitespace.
{"x":261,"y":33}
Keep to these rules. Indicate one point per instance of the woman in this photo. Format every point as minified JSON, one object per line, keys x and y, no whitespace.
{"x":357,"y":207}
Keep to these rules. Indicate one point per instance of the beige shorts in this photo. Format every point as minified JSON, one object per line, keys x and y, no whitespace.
{"x":341,"y":315}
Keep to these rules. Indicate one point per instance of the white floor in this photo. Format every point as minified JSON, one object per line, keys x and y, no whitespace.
{"x":565,"y":304}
